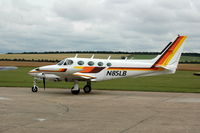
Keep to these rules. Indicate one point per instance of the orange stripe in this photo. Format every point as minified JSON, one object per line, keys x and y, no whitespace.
{"x":136,"y":69}
{"x":87,"y":69}
{"x":91,"y":69}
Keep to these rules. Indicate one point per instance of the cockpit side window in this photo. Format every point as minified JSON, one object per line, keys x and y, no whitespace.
{"x":37,"y":69}
{"x":68,"y":62}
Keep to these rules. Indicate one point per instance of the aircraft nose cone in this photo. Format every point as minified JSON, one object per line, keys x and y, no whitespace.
{"x":33,"y":72}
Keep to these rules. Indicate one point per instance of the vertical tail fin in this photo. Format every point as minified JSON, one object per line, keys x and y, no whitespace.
{"x":170,"y":56}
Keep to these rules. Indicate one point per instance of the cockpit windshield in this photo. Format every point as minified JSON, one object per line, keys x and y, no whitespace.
{"x":61,"y":62}
{"x":65,"y":62}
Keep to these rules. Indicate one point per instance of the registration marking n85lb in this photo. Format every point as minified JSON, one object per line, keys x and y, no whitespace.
{"x":116,"y":73}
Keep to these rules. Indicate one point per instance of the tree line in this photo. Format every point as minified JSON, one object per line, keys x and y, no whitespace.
{"x":102,"y":52}
{"x":55,"y":61}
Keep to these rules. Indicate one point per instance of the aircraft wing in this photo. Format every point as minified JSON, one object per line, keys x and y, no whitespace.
{"x":84,"y":76}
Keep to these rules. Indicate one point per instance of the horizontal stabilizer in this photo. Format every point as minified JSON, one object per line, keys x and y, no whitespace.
{"x":163,"y":67}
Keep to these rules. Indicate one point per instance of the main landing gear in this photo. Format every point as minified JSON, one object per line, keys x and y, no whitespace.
{"x":75,"y":89}
{"x":87,"y":88}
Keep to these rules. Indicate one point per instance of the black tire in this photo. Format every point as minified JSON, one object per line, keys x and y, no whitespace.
{"x":34,"y":89}
{"x":87,"y":89}
{"x":75,"y":92}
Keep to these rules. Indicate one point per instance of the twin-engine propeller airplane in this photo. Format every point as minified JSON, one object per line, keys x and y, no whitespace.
{"x":90,"y":69}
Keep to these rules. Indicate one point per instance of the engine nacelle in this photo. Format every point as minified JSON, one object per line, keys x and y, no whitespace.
{"x":51,"y":77}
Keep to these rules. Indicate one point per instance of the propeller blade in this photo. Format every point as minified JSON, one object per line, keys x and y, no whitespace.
{"x":44,"y":83}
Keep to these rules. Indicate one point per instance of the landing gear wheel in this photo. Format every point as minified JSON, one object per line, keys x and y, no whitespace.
{"x":87,"y":89}
{"x":34,"y":88}
{"x":75,"y":92}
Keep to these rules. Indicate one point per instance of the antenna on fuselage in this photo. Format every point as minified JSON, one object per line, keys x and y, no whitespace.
{"x":109,"y":57}
{"x":76,"y":56}
{"x":92,"y":56}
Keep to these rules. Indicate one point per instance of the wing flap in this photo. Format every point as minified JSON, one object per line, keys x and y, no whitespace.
{"x":84,"y":76}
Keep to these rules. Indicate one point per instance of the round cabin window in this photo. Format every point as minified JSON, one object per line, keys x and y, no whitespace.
{"x":109,"y":64}
{"x":100,"y":63}
{"x":90,"y":63}
{"x":80,"y":62}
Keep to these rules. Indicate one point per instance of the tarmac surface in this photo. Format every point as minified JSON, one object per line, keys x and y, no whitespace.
{"x":58,"y":111}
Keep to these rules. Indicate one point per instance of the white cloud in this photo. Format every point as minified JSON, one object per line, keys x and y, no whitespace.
{"x":129,"y":25}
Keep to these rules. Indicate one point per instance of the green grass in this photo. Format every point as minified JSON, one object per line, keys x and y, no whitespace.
{"x":190,"y":58}
{"x":139,"y":56}
{"x":183,"y":58}
{"x":182,"y":81}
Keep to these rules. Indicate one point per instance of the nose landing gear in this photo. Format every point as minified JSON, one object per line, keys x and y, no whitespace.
{"x":35,"y":87}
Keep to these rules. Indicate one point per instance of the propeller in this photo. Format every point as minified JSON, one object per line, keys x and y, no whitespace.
{"x":44,"y":80}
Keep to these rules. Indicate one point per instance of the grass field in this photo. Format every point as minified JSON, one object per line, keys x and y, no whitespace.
{"x":182,"y":81}
{"x":183,"y":58}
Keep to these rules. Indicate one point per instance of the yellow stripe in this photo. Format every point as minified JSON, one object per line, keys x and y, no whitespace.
{"x":78,"y":67}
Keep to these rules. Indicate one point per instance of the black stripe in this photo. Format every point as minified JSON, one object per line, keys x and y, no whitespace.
{"x":165,"y":48}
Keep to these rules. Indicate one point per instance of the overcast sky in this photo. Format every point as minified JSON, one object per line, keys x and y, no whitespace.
{"x":117,"y":25}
